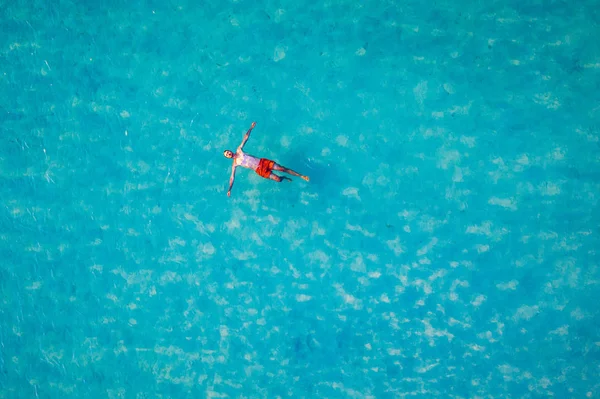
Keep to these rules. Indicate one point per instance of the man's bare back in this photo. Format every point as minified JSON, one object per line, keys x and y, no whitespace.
{"x":262,"y":166}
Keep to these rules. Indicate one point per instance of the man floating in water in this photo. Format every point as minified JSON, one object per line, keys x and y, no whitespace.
{"x":263,"y":167}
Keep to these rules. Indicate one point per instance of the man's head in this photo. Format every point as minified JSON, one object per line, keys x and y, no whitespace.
{"x":228,"y":154}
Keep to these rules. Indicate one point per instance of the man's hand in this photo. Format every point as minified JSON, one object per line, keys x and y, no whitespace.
{"x":229,"y":193}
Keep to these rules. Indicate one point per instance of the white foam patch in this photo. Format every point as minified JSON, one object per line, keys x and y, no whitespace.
{"x":435,"y":333}
{"x":358,"y":265}
{"x":360,"y":230}
{"x":468,"y":141}
{"x":438,"y":274}
{"x":408,"y":215}
{"x":425,"y":249}
{"x":273,"y":220}
{"x":548,"y":235}
{"x":558,"y":154}
{"x":589,"y":134}
{"x":112,"y":297}
{"x":478,"y":300}
{"x":256,"y":238}
{"x":508,"y":286}
{"x":208,"y":249}
{"x":173,"y":258}
{"x":303,"y":298}
{"x":548,"y":100}
{"x":420,"y":92}
{"x":460,"y":109}
{"x":523,"y":159}
{"x":578,"y":314}
{"x":459,"y":283}
{"x":351,"y":192}
{"x":457,"y":177}
{"x":396,"y":246}
{"x":34,"y":248}
{"x":279,"y":14}
{"x":549,"y":189}
{"x":246,"y":255}
{"x":285,"y":142}
{"x":176,"y":242}
{"x":481,"y":248}
{"x":449,"y":88}
{"x":97,"y":268}
{"x":169,"y":277}
{"x":507,"y":369}
{"x":447,"y":158}
{"x":526,"y":312}
{"x":319,"y":257}
{"x":487,"y":335}
{"x":233,"y":224}
{"x":279,"y":53}
{"x":482,"y":229}
{"x":34,"y":286}
{"x":424,"y":285}
{"x":120,"y":348}
{"x":348,"y":298}
{"x":562,"y":330}
{"x":429,"y":224}
{"x":317,"y":230}
{"x":507,"y":203}
{"x":342,"y":141}
{"x":476,"y":348}
{"x":426,"y":368}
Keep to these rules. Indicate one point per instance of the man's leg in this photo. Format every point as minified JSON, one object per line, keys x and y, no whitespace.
{"x":278,"y":178}
{"x":289,"y":171}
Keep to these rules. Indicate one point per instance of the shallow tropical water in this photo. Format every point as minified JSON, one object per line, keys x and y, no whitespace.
{"x":446,"y":245}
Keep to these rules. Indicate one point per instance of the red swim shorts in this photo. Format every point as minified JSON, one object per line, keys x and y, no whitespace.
{"x":265,"y":166}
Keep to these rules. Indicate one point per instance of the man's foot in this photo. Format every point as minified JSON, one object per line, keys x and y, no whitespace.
{"x":305,"y":178}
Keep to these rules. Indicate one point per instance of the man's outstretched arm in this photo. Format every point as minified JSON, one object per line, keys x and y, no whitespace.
{"x":247,"y":136}
{"x":231,"y":179}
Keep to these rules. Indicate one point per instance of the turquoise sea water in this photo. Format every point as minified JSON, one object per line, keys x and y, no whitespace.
{"x":446,"y":245}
